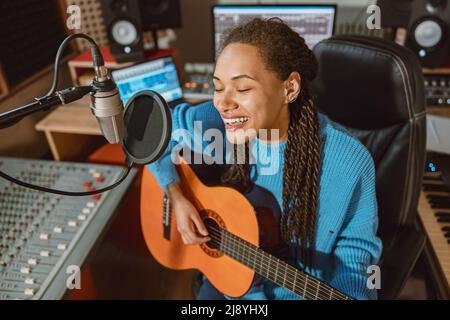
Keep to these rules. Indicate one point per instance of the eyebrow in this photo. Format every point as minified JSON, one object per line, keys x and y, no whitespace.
{"x":241,"y":76}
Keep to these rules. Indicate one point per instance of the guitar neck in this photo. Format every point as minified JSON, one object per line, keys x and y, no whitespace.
{"x":273,"y":268}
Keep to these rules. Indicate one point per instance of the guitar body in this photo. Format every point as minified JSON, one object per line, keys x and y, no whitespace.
{"x":253,"y":217}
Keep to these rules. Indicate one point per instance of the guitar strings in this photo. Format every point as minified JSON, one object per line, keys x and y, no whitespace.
{"x":305,"y":291}
{"x":301,"y":277}
{"x":321,"y":287}
{"x":328,"y":290}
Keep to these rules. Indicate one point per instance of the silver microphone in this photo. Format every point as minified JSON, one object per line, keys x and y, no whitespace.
{"x":107,"y":106}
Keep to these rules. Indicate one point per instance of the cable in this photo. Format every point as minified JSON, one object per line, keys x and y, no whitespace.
{"x":97,"y":58}
{"x":126,"y":170}
{"x":98,"y":61}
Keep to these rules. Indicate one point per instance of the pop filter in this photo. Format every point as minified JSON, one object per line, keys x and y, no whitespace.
{"x":148,"y":126}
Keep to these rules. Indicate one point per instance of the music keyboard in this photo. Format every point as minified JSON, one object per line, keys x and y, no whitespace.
{"x":434,"y":212}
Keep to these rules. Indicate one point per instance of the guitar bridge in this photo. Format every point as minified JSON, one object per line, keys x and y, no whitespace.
{"x":167,"y":212}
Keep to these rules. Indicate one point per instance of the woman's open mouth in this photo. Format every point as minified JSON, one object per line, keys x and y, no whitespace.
{"x":235,"y":123}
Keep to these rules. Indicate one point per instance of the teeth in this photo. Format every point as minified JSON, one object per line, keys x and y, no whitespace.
{"x":234,"y":120}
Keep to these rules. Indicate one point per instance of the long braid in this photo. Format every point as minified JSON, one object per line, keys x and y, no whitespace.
{"x":238,"y":174}
{"x":279,"y":44}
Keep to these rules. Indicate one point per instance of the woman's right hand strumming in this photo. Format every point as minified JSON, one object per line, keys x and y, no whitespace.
{"x":189,"y":223}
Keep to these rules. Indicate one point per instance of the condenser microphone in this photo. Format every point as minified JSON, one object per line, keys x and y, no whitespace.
{"x":107,"y":106}
{"x":147,"y":118}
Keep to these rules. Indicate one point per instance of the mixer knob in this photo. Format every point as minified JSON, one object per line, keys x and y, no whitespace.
{"x":29,"y":292}
{"x":62,"y":246}
{"x":44,"y":253}
{"x":87,"y":184}
{"x":72,"y":223}
{"x":43,"y":236}
{"x":32,"y":261}
{"x":57,"y":230}
{"x":30,"y":281}
{"x":25,"y":270}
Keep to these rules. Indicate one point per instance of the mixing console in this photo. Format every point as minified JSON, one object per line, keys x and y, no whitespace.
{"x":437,"y":90}
{"x":198,"y":81}
{"x":42,"y":234}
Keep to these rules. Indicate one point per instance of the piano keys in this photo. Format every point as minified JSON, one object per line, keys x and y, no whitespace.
{"x":434,"y":213}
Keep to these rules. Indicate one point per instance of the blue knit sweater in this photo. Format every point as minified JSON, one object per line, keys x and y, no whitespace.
{"x":346,"y":241}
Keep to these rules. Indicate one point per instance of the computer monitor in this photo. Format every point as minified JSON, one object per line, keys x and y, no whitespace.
{"x":313,"y":22}
{"x":159,"y":75}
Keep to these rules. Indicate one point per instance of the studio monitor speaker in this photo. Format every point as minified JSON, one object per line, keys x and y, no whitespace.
{"x":395,"y":13}
{"x":429,"y":32}
{"x":160,"y":14}
{"x":124,"y":29}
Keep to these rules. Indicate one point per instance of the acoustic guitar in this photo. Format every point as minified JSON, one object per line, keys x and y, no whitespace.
{"x":244,"y":234}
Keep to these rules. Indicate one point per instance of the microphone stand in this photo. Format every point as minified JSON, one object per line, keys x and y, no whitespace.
{"x":45,"y":103}
{"x":100,"y":83}
{"x":53,"y":97}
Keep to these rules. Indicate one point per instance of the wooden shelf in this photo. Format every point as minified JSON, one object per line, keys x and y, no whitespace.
{"x":436,"y":71}
{"x":74,"y":118}
{"x":439,"y":111}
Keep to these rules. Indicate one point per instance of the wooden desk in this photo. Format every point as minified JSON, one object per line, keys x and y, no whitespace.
{"x":72,"y":131}
{"x":439,"y":111}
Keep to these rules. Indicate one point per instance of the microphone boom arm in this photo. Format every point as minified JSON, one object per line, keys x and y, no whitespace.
{"x":101,"y":84}
{"x":45,"y":103}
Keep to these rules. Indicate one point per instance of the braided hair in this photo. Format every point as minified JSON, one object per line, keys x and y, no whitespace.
{"x":283,"y":52}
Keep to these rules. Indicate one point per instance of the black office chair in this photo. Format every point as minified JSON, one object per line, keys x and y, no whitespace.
{"x":375,"y":89}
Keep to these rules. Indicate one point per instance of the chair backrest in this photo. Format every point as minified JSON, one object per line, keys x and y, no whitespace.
{"x":375,"y":89}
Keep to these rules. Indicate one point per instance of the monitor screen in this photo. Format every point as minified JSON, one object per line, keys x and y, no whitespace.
{"x":159,"y":75}
{"x":313,"y":22}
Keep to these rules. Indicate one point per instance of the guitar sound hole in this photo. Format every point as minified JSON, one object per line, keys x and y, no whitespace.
{"x":214,"y":224}
{"x":213,"y":232}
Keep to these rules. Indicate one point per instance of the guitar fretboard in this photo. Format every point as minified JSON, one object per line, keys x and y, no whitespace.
{"x":272,"y":268}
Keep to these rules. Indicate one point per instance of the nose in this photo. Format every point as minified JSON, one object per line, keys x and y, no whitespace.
{"x":225,"y":103}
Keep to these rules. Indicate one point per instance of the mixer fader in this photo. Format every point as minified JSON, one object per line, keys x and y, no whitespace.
{"x":42,"y":234}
